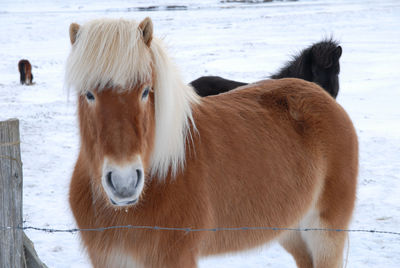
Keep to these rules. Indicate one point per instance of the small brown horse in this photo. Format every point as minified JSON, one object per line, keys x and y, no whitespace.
{"x":25,"y":71}
{"x":278,"y":153}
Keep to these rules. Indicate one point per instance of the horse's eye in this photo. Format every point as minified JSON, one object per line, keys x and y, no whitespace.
{"x":89,"y":96}
{"x":145,"y":92}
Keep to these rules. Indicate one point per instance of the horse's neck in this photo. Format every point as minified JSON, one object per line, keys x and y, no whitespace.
{"x":299,"y":67}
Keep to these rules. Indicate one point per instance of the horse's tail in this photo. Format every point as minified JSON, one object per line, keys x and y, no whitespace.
{"x":21,"y":68}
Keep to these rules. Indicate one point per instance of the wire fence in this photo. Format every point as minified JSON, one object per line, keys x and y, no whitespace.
{"x":189,"y":230}
{"x":183,"y":229}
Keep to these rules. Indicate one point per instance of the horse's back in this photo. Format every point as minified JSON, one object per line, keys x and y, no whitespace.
{"x":213,"y":85}
{"x":310,"y":109}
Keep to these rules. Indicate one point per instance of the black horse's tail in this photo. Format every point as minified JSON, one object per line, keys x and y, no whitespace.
{"x":21,"y":67}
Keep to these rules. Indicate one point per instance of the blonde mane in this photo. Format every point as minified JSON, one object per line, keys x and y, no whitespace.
{"x":173,"y":106}
{"x":111,"y":53}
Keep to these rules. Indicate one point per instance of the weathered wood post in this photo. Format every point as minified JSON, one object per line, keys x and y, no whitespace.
{"x":11,"y":239}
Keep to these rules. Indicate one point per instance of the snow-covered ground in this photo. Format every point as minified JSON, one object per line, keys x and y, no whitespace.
{"x":235,"y":40}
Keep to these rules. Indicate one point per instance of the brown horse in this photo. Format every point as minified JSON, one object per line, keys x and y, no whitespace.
{"x":277,"y":153}
{"x":25,"y":71}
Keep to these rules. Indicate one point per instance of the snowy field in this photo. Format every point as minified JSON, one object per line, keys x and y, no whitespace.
{"x":245,"y":42}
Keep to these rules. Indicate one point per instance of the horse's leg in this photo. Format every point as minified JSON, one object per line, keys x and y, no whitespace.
{"x":295,"y":245}
{"x":183,"y":253}
{"x":333,"y":212}
{"x":186,"y":261}
{"x":111,"y":258}
{"x":29,"y":75}
{"x":176,"y":257}
{"x":26,"y":72}
{"x":22,"y":73}
{"x":326,"y":246}
{"x":330,"y":252}
{"x":22,"y":78}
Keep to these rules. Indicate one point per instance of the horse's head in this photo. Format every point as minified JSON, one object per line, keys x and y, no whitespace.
{"x":134,"y":110}
{"x":117,"y":132}
{"x":325,"y":65}
{"x":116,"y":114}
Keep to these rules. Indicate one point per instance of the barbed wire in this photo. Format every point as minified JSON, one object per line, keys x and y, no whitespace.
{"x":188,"y":230}
{"x":183,"y":229}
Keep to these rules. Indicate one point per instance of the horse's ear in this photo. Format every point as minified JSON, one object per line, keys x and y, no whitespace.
{"x":146,"y":26}
{"x":337,"y":53}
{"x":73,"y":32}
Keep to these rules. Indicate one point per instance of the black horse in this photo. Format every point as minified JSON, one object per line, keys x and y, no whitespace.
{"x":318,"y":63}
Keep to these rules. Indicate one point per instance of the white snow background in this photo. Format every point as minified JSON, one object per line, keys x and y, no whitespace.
{"x":240,"y":41}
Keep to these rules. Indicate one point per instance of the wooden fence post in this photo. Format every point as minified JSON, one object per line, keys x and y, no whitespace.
{"x":11,"y":240}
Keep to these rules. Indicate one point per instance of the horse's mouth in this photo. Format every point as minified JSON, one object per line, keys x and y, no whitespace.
{"x":124,"y":203}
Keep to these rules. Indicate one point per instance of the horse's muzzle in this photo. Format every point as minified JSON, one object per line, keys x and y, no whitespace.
{"x":123,"y":184}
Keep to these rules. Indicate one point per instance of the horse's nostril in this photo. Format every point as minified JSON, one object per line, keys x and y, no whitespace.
{"x":109,"y":180}
{"x":139,"y":175}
